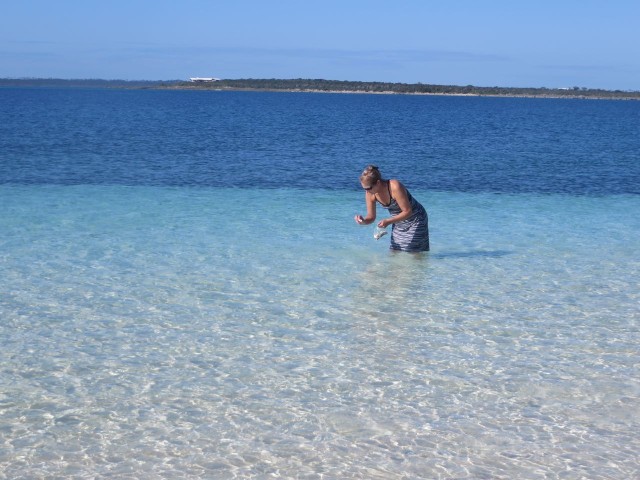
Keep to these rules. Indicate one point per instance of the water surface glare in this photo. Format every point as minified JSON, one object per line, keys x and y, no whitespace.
{"x":172,"y":332}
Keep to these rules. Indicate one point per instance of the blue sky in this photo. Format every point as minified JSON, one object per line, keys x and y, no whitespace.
{"x":543,"y":43}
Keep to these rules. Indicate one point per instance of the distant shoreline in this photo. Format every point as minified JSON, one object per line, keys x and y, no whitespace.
{"x":330,"y":86}
{"x":365,"y":92}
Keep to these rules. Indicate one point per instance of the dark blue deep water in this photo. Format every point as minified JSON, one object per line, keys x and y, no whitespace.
{"x":307,"y":140}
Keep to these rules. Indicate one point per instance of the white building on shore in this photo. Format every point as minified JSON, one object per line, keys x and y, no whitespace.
{"x":204,"y":79}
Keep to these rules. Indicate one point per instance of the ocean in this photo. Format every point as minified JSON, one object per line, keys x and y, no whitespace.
{"x":184,"y":292}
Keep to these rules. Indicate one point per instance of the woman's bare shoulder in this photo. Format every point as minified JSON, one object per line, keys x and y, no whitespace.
{"x":396,"y":186}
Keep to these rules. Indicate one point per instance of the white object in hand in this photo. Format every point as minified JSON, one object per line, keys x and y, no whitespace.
{"x":380,"y":232}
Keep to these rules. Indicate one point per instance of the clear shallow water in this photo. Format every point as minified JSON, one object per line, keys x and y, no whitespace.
{"x":184,"y":293}
{"x":147,"y":334}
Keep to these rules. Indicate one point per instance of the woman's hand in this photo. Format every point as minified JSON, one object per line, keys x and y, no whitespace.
{"x":383,"y":223}
{"x":359,"y":219}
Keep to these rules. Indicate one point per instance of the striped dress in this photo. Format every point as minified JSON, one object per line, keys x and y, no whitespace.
{"x":411,"y":234}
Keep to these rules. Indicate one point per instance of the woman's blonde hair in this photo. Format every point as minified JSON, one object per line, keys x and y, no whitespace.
{"x":370,"y":175}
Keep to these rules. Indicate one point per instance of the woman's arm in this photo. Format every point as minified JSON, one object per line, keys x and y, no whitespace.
{"x":370,"y":200}
{"x":400,"y":194}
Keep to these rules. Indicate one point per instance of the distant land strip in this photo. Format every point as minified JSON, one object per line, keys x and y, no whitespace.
{"x":329,"y":86}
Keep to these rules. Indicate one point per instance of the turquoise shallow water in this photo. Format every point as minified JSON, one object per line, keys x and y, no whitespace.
{"x":181,"y":332}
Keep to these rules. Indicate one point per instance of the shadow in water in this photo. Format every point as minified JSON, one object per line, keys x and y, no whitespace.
{"x":389,"y":284}
{"x":473,"y":253}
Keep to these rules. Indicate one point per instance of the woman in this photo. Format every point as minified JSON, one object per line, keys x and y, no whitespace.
{"x":409,"y":220}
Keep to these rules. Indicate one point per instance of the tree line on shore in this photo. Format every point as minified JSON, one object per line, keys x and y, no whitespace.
{"x":321,"y":85}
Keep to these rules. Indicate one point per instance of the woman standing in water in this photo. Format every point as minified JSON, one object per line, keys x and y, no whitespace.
{"x":409,"y":220}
